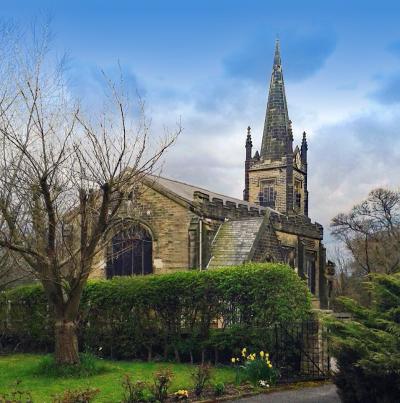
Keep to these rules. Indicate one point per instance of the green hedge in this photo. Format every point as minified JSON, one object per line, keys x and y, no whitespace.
{"x":182,"y":315}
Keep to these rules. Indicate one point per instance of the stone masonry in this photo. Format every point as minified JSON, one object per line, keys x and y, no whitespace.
{"x":193,"y":228}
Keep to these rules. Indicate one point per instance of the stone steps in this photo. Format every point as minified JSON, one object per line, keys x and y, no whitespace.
{"x":234,"y":241}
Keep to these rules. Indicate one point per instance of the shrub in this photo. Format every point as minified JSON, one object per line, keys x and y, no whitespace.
{"x":162,"y":381}
{"x":134,"y":392}
{"x":76,"y":396}
{"x":89,"y":365}
{"x":201,"y":376}
{"x":169,"y":315}
{"x":367,"y":348}
{"x":219,"y":389}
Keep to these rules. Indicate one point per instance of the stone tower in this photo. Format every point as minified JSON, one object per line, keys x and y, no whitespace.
{"x":277,"y":176}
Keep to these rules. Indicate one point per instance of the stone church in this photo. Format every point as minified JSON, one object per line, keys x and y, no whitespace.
{"x":170,"y":225}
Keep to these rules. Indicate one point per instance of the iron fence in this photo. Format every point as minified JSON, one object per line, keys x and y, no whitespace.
{"x":299,"y":350}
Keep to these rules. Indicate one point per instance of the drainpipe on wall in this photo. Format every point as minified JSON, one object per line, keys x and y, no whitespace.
{"x":201,"y":243}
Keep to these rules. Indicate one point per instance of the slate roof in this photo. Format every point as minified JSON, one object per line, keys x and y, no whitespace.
{"x":186,"y":191}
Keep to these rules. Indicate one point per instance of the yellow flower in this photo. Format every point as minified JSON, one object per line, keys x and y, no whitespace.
{"x":244,"y":352}
{"x":261,"y":354}
{"x":233,"y":360}
{"x":269,"y":365}
{"x":237,"y":359}
{"x":182,"y":392}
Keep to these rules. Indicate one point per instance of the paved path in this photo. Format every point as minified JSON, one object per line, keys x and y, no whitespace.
{"x":319,"y":394}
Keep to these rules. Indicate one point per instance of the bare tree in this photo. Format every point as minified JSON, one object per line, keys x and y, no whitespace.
{"x":13,"y":270}
{"x":64,"y":177}
{"x":371,"y":232}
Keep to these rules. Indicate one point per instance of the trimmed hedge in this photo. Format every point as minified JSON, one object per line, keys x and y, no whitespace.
{"x":184,"y":315}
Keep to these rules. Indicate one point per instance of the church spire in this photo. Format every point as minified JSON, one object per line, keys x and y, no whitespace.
{"x":276,"y":135}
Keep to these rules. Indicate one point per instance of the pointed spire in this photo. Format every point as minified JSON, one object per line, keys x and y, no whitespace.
{"x":277,"y":129}
{"x":277,"y":56}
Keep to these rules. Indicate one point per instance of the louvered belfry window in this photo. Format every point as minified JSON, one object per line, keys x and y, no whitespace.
{"x":267,"y":195}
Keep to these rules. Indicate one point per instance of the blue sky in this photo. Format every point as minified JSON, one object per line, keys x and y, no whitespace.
{"x":209,"y":63}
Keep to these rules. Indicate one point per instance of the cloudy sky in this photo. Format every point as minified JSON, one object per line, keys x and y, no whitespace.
{"x":208,"y":62}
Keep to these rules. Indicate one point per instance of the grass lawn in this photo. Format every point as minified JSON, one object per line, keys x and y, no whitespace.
{"x":22,"y":367}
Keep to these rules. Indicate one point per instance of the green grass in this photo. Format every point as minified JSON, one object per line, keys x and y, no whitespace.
{"x":24,"y":367}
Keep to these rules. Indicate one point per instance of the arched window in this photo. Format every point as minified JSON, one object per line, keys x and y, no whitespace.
{"x":130,"y":252}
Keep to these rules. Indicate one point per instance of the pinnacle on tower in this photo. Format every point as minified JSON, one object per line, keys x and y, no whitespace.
{"x":277,"y":130}
{"x":304,"y":148}
{"x":249,"y":146}
{"x":248,"y":139}
{"x":304,"y":141}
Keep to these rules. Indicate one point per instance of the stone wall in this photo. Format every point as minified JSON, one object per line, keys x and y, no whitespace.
{"x":168,"y":223}
{"x":267,"y":247}
{"x":277,"y":175}
{"x":299,"y":176}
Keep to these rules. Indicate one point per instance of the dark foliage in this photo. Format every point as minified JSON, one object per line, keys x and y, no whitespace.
{"x":367,"y":348}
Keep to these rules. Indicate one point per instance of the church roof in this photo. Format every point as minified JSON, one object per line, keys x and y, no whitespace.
{"x":277,"y":124}
{"x":187,"y":192}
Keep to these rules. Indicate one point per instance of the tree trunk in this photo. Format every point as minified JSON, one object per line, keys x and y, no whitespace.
{"x":66,"y":342}
{"x":216,"y":356}
{"x":177,"y":356}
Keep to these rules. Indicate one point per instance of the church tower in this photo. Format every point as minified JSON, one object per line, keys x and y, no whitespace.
{"x":277,"y":176}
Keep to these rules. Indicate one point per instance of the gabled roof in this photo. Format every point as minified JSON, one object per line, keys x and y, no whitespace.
{"x":187,"y":192}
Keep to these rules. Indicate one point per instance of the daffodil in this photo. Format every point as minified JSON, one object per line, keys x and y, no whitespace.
{"x":182,"y":393}
{"x":244,"y":352}
{"x":270,"y":365}
{"x":261,"y":354}
{"x":233,"y":360}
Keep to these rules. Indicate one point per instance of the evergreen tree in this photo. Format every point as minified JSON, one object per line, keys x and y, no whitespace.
{"x":367,"y":348}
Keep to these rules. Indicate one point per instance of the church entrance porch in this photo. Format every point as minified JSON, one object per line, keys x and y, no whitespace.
{"x":130,"y":253}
